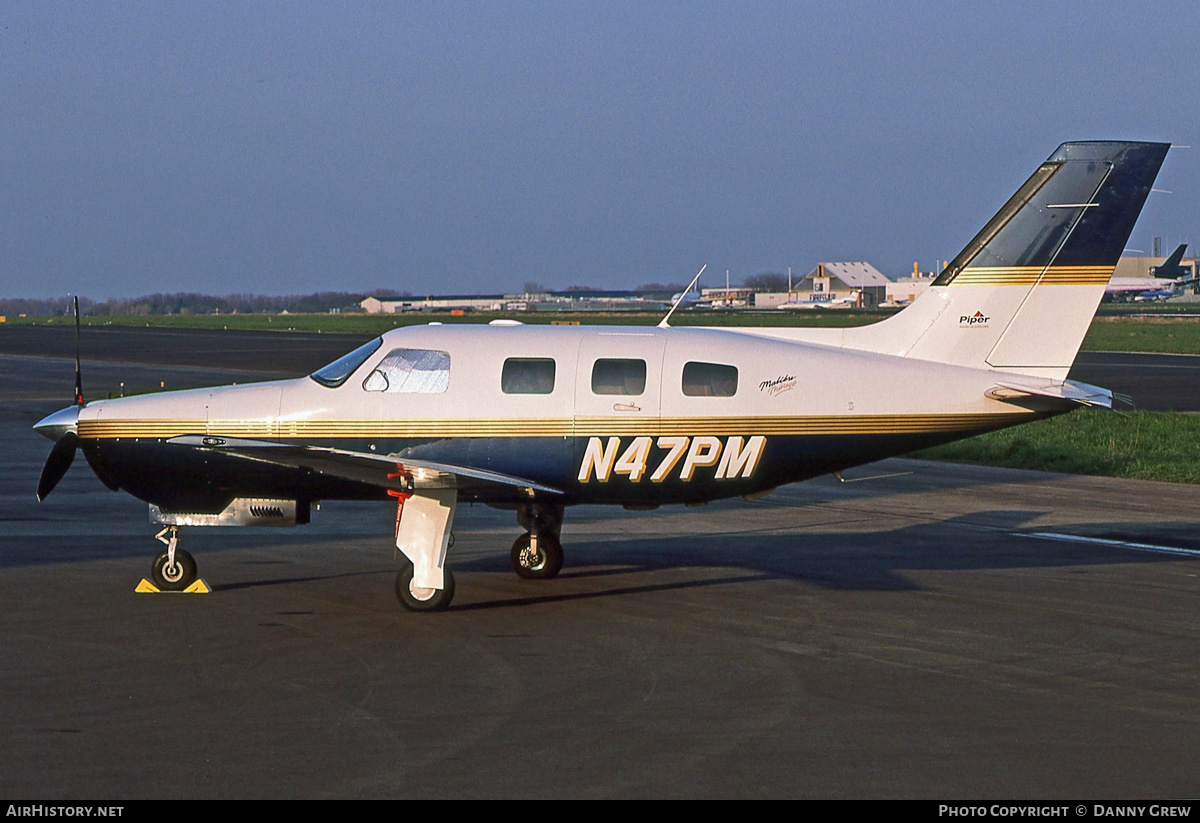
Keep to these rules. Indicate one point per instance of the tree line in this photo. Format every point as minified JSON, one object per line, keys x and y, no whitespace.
{"x":187,"y":303}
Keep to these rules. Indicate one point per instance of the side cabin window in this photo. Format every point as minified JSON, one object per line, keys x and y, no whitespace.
{"x":709,"y":380}
{"x":411,"y":371}
{"x":527,"y":375}
{"x":612,"y":376}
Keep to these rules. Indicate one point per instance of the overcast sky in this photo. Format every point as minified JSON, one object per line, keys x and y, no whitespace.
{"x":283,"y":148}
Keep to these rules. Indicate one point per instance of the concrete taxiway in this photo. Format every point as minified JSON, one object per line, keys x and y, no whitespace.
{"x":926,"y":630}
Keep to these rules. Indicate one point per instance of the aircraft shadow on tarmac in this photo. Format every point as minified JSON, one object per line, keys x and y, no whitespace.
{"x":842,"y":560}
{"x":872,"y":561}
{"x":778,"y":546}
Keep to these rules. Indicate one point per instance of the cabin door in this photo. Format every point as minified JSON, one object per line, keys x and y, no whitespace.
{"x":618,"y":396}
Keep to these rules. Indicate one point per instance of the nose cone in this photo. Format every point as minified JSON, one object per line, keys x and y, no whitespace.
{"x":54,"y":426}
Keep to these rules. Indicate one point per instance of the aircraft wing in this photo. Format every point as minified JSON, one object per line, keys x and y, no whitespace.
{"x":385,"y":471}
{"x":1071,"y":390}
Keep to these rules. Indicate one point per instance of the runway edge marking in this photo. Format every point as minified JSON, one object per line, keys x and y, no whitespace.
{"x":1104,"y":541}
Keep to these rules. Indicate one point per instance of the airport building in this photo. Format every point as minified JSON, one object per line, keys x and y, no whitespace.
{"x":730,"y":297}
{"x":604,"y":301}
{"x":856,"y":283}
{"x":846,"y":284}
{"x":396,"y":304}
{"x":852,"y":284}
{"x":907,"y":289}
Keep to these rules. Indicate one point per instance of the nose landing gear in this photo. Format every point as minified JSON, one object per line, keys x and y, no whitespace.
{"x":173,"y":570}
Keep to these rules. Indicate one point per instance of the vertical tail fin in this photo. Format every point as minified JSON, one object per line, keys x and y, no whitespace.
{"x":1021,"y":295}
{"x":1171,"y":268}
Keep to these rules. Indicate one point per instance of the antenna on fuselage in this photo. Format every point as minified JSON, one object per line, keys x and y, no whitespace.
{"x":663,"y":324}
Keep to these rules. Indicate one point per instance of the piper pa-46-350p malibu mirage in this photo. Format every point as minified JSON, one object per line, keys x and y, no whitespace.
{"x":539,"y":418}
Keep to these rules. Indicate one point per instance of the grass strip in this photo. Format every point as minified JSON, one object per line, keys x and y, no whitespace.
{"x":1178,"y":335}
{"x":1139,"y":445}
{"x":1171,"y":335}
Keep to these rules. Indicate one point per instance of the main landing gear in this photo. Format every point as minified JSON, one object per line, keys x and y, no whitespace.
{"x":419,"y":598}
{"x":538,"y":554}
{"x":173,"y":570}
{"x":423,"y":524}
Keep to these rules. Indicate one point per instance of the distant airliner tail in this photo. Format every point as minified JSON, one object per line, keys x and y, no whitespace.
{"x":1171,"y":268}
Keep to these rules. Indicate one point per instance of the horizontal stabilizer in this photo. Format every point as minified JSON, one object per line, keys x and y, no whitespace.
{"x":1072,"y":391}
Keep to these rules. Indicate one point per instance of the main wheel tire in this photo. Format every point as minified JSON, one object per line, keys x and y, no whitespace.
{"x":543,"y":564}
{"x":423,"y":600}
{"x":173,"y":578}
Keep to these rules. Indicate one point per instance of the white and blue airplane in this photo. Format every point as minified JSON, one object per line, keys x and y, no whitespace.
{"x":536,"y":419}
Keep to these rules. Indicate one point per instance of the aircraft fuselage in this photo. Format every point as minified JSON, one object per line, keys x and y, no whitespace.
{"x":635,"y":415}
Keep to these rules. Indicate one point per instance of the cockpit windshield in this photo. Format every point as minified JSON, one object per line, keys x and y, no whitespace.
{"x":335,"y":373}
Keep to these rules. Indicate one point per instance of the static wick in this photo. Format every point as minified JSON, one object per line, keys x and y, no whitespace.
{"x":841,"y":479}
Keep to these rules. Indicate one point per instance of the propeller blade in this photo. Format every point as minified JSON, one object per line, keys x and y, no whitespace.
{"x":60,"y":459}
{"x":78,"y":370}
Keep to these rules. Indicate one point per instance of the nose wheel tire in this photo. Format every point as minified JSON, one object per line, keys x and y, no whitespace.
{"x":542,"y":564}
{"x":417,"y":599}
{"x":175,"y":577}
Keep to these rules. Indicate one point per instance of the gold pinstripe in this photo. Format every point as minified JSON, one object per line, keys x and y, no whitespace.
{"x":554,"y":427}
{"x":1029,"y":275}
